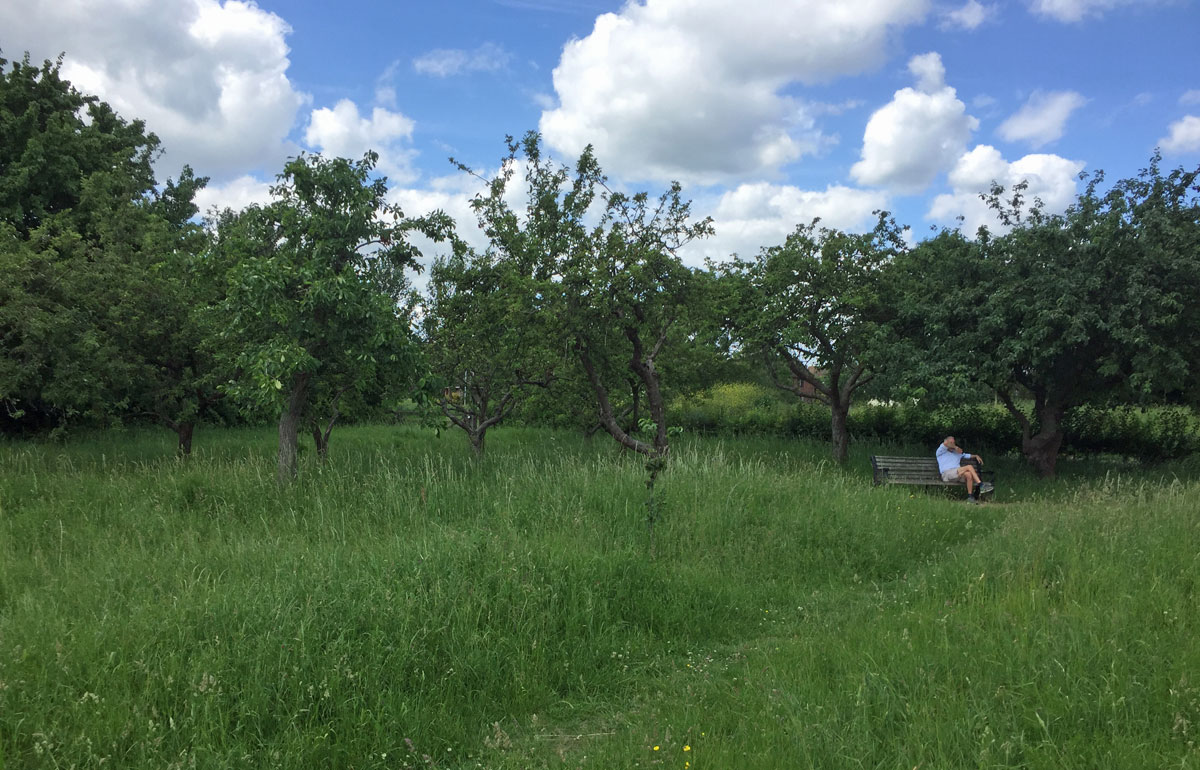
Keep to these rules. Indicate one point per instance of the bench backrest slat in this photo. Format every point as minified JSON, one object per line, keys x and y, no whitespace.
{"x":906,"y":470}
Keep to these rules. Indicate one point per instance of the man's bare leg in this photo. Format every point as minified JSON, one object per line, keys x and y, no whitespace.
{"x":970,"y":475}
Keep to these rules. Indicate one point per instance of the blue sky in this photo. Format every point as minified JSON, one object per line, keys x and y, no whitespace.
{"x":769,"y":112}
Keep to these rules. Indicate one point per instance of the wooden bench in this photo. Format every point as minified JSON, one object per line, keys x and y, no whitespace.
{"x":914,"y":470}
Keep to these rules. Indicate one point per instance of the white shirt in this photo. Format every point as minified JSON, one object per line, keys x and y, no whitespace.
{"x":948,"y":459}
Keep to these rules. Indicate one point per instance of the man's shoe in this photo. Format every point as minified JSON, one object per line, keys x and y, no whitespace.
{"x":971,"y":500}
{"x":986,"y":487}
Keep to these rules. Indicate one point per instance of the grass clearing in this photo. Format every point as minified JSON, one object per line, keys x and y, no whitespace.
{"x":406,"y":606}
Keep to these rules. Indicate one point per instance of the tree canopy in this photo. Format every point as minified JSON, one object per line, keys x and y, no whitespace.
{"x":812,"y":310}
{"x":315,"y":282}
{"x":90,"y":258}
{"x":1088,"y":306}
{"x":608,"y":269}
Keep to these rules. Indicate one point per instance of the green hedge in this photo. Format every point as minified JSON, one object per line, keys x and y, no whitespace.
{"x":1153,"y":433}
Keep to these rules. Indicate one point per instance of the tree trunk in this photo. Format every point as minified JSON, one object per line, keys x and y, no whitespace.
{"x":475,"y":417}
{"x":184,"y":431}
{"x":1041,"y":449}
{"x":607,"y":419}
{"x":643,"y":367}
{"x":839,"y":434}
{"x":289,"y":426}
{"x":477,"y":442}
{"x":321,"y":439}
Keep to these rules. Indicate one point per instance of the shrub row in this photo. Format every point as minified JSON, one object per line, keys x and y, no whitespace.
{"x":1153,"y":433}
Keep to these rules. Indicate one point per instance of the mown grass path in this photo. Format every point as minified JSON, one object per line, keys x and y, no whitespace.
{"x":405,"y":606}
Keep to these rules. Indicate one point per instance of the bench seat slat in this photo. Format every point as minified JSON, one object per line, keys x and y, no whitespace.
{"x":908,"y":470}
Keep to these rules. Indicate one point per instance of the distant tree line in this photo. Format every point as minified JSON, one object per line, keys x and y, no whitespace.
{"x":118,"y":304}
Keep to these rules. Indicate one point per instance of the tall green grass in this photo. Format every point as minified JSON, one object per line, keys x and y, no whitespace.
{"x":407,"y":606}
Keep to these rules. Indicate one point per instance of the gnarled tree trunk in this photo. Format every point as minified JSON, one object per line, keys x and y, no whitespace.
{"x":479,"y":411}
{"x":837,"y":392}
{"x":659,"y":447}
{"x":1041,"y":448}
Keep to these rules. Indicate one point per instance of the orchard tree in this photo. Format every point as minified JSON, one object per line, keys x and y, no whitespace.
{"x":607,"y":268}
{"x":314,"y":287}
{"x":812,"y":309}
{"x":96,"y":302}
{"x":628,"y":297}
{"x":488,"y":340}
{"x":1095,"y":305}
{"x":160,"y":318}
{"x":67,"y":163}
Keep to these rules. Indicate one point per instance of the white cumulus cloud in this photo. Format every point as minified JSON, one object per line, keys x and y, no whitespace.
{"x":759,"y":214}
{"x":1043,"y":118}
{"x":929,"y":71}
{"x":1184,"y":136}
{"x":209,"y":78}
{"x":970,"y":16}
{"x":917,"y":135}
{"x":695,"y":89}
{"x":453,"y":195}
{"x":236,"y":194}
{"x":344,"y":132}
{"x":455,"y":201}
{"x":1051,"y":179}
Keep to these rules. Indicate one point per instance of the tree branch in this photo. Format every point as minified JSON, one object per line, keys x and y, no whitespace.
{"x":606,"y":410}
{"x":1006,"y":399}
{"x":854,"y":382}
{"x":453,"y":418}
{"x":644,"y":369}
{"x":801,"y":372}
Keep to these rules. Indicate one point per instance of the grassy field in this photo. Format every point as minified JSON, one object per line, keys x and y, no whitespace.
{"x":406,"y":607}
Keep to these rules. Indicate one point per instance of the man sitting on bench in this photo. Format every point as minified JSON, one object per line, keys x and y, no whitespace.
{"x":949,"y":456}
